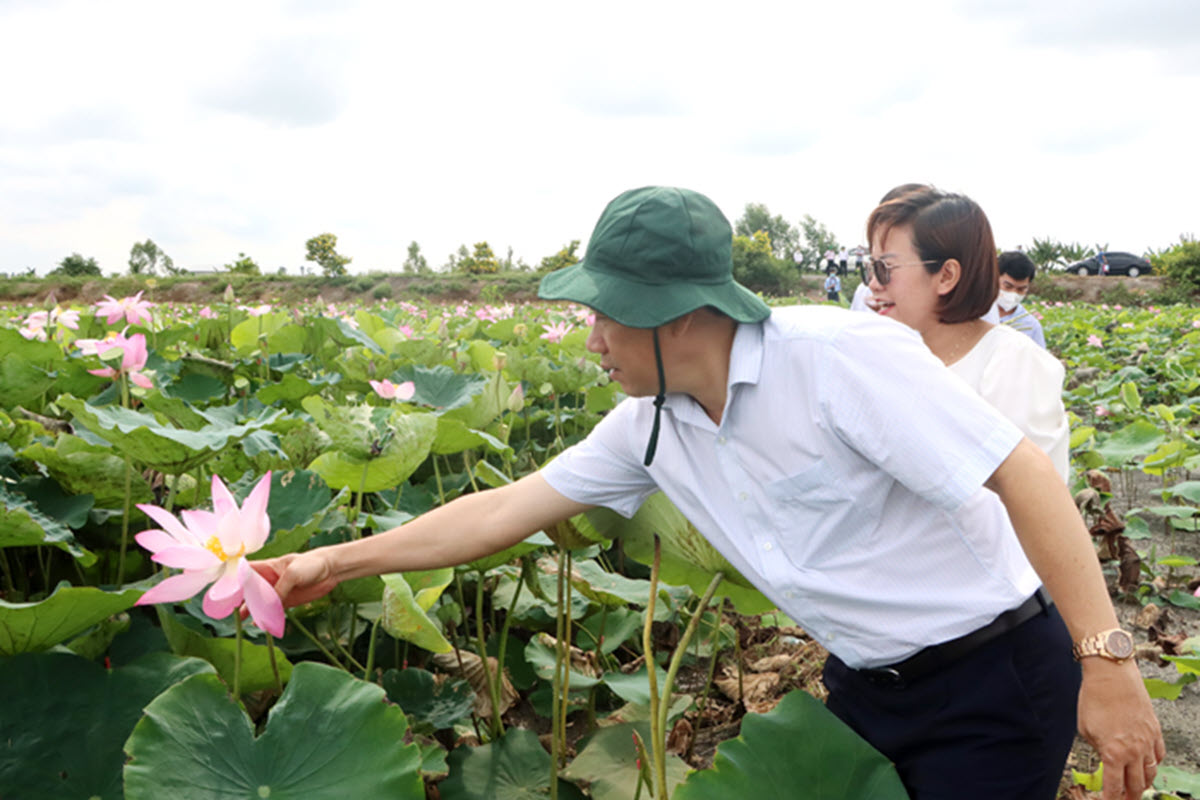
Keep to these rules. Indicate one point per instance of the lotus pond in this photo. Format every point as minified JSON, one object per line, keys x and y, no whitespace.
{"x":584,"y":662}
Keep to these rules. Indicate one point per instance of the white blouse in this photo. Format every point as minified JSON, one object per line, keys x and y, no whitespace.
{"x":1024,"y":383}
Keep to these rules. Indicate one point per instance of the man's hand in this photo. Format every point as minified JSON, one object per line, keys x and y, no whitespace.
{"x":1116,"y":718}
{"x":298,"y":578}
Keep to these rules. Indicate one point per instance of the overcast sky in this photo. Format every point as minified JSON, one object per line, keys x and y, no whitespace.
{"x":224,"y":127}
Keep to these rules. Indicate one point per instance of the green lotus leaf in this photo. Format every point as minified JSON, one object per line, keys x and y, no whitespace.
{"x":607,"y":765}
{"x":541,"y":656}
{"x":799,"y":743}
{"x":441,"y":387}
{"x":81,"y":467}
{"x":256,"y":671}
{"x":67,"y":612}
{"x":528,"y":545}
{"x":197,"y":388}
{"x":687,"y":557}
{"x":433,"y":758}
{"x":429,"y":704}
{"x":290,"y":388}
{"x":73,"y":715}
{"x":1135,"y":440}
{"x":352,"y":429}
{"x":23,"y":524}
{"x":1188,"y":490}
{"x":1177,"y":781}
{"x":69,"y":509}
{"x":245,"y":335}
{"x":328,"y":738}
{"x":18,"y":433}
{"x":635,"y":687}
{"x":398,"y":458}
{"x":404,"y":614}
{"x":21,"y":382}
{"x":166,"y":449}
{"x":515,"y":767}
{"x":486,"y":405}
{"x":608,"y":588}
{"x":453,"y":436}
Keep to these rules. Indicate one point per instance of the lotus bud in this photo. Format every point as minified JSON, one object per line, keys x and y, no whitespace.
{"x":520,"y":329}
{"x":516,"y":400}
{"x":499,"y":361}
{"x":51,"y":302}
{"x":229,"y":293}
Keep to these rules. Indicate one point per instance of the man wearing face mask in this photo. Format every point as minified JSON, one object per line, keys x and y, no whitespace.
{"x":1016,"y":276}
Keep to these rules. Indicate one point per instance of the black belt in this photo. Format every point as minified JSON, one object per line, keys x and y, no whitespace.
{"x":926,"y":661}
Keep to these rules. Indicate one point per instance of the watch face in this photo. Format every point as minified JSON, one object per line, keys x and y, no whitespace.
{"x":1120,"y":644}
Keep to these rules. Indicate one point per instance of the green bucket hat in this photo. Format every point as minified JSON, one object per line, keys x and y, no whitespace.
{"x":657,"y":253}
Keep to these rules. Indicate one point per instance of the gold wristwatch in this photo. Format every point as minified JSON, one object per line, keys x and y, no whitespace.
{"x":1115,"y":645}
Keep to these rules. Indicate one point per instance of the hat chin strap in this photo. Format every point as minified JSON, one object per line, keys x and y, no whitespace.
{"x":659,"y":399}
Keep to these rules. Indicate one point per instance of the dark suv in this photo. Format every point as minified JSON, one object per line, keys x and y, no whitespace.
{"x":1118,"y":264}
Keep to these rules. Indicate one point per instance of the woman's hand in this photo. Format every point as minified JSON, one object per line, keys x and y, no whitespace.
{"x":299,"y":578}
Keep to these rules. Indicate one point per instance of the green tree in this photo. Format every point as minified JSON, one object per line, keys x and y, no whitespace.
{"x":415,"y":263}
{"x":145,"y":258}
{"x":1180,"y":263}
{"x":817,"y":241}
{"x":756,"y":267}
{"x":244,"y":265}
{"x":76,"y":265}
{"x":1046,"y":253}
{"x":1076,"y":252}
{"x":782,"y":236}
{"x":481,"y":262}
{"x":565,"y":257}
{"x":323,"y":250}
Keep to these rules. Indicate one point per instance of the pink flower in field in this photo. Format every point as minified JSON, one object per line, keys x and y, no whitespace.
{"x":207,"y":313}
{"x":1038,"y":315}
{"x":211,"y":548}
{"x":1095,"y":341}
{"x":556,"y":332}
{"x":1196,"y":323}
{"x":256,"y":311}
{"x":36,"y":323}
{"x":487,"y":314}
{"x":1059,"y":304}
{"x":135,"y":310}
{"x":393,"y":391}
{"x":1117,"y":307}
{"x":585,"y":316}
{"x":406,"y":330}
{"x":133,"y":357}
{"x":1101,"y":411}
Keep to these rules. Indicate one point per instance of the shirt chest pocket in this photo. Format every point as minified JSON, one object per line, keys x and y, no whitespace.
{"x":809,"y":506}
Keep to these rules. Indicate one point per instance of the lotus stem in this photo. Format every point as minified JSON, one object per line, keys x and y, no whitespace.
{"x":493,"y":683}
{"x":657,"y":738}
{"x":370,"y":648}
{"x":312,"y":638}
{"x":677,"y":659}
{"x":125,"y":521}
{"x":237,"y":656}
{"x":274,"y":665}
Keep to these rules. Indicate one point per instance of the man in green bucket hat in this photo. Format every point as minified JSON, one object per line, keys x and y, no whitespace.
{"x":846,"y":472}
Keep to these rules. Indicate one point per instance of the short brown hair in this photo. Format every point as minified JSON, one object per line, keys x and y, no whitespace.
{"x":946,"y":226}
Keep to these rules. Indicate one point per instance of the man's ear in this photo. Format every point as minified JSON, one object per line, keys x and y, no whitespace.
{"x":949,"y":276}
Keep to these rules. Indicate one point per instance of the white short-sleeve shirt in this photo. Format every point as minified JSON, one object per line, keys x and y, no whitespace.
{"x":845,"y":481}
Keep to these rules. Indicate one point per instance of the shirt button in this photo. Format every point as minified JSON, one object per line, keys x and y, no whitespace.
{"x":789,"y":594}
{"x":743,"y":497}
{"x":768,"y":546}
{"x":720,"y":440}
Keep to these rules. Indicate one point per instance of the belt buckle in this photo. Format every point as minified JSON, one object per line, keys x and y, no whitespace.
{"x":885,"y":676}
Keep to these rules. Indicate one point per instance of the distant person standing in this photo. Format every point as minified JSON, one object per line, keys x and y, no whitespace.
{"x":833,"y":286}
{"x":1017,"y":271}
{"x":1102,"y":259}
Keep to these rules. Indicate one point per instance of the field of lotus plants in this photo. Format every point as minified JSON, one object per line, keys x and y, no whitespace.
{"x":148,"y":450}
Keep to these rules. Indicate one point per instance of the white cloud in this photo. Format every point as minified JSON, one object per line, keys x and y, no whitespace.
{"x":233,"y":127}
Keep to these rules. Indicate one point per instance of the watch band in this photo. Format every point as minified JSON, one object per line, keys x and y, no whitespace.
{"x":1113,"y":644}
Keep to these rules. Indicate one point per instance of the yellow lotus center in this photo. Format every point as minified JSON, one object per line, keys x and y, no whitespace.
{"x":214,"y":546}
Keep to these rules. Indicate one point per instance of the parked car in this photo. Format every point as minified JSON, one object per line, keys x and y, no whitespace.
{"x":1118,"y":264}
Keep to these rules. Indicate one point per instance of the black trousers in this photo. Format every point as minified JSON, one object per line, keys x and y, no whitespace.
{"x":996,"y":724}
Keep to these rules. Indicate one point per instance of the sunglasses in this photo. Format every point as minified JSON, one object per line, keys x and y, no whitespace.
{"x":883,"y":270}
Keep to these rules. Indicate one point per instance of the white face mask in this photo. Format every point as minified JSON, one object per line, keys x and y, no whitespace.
{"x":1008,"y":300}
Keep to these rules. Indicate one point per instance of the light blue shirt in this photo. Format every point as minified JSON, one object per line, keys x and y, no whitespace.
{"x":1023,"y":320}
{"x":845,"y":480}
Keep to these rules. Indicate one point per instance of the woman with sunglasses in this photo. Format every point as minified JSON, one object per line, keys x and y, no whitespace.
{"x":933,"y":268}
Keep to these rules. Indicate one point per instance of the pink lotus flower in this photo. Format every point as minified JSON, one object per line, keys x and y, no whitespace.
{"x":36,"y":323}
{"x":1095,"y":341}
{"x":207,"y":313}
{"x":132,"y":361}
{"x":556,"y":332}
{"x":211,"y":548}
{"x":392,"y":391}
{"x":406,"y":331}
{"x":256,"y":311}
{"x":1101,"y":411}
{"x":135,"y":310}
{"x":1196,"y":323}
